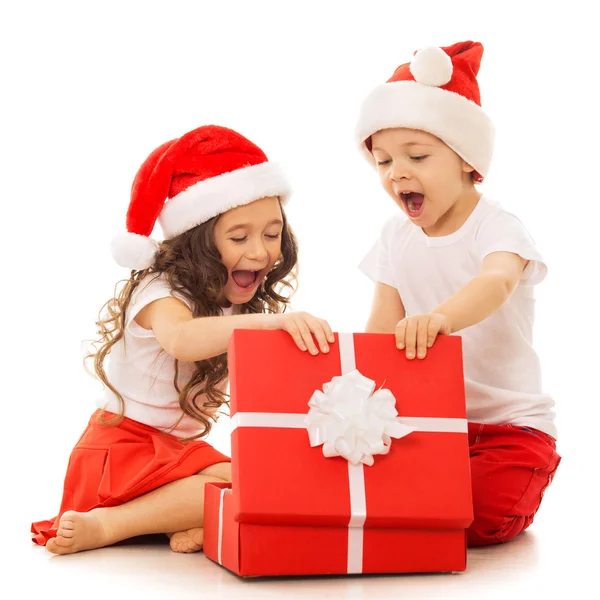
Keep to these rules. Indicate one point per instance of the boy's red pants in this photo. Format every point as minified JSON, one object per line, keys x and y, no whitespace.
{"x":511,"y":467}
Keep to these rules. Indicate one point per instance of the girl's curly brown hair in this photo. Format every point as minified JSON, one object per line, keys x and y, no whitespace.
{"x":192,"y":267}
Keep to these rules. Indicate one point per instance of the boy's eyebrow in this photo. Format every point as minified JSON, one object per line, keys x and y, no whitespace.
{"x":405,"y":144}
{"x":242,"y":225}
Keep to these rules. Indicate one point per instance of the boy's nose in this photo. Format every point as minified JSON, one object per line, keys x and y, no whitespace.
{"x":399,"y":173}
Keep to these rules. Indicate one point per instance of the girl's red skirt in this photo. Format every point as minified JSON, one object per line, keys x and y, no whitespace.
{"x":111,"y":465}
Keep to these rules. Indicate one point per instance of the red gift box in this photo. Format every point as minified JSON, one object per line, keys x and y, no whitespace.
{"x":292,"y":510}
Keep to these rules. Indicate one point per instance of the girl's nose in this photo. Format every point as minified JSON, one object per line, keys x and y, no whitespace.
{"x":257,"y":251}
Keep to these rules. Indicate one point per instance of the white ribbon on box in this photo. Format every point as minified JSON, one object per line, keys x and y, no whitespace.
{"x":350,"y":421}
{"x":220,"y":530}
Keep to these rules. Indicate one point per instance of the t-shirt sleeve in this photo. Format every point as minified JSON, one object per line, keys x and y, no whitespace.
{"x":376,"y":264}
{"x":147,"y":292}
{"x":503,"y":232}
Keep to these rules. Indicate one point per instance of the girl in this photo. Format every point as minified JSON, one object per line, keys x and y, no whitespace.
{"x":454,"y":261}
{"x":140,"y":466}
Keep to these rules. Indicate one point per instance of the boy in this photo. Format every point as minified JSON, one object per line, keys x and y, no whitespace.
{"x":453,"y":261}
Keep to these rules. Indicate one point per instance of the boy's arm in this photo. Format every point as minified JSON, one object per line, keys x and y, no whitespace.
{"x":386,"y":310}
{"x":484,"y":294}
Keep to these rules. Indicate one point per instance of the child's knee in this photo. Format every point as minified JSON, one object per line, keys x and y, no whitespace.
{"x":485,"y":531}
{"x":219,"y":471}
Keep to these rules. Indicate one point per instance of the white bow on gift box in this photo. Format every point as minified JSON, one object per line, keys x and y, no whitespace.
{"x":351,"y":421}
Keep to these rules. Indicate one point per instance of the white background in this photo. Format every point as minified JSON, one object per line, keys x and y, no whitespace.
{"x":88,"y":89}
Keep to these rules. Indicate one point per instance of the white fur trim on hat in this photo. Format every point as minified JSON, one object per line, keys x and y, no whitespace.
{"x":431,"y":66}
{"x":134,"y":251}
{"x":207,"y":199}
{"x":458,"y":122}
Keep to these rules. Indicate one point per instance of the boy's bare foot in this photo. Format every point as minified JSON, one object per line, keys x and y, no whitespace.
{"x":187,"y":541}
{"x":79,"y":531}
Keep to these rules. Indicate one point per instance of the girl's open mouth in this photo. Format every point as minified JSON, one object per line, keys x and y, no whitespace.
{"x":245,"y":280}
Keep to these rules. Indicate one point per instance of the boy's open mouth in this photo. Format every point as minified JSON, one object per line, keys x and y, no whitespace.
{"x":413,"y":202}
{"x":245,"y":279}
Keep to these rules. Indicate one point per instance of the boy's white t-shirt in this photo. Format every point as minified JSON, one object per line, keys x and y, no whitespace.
{"x":503,"y":381}
{"x":143,"y":373}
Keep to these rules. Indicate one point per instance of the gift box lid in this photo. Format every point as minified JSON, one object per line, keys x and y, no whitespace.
{"x":279,"y":478}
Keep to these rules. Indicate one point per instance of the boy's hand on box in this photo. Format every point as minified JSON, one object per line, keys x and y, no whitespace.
{"x":416,"y":334}
{"x":302,"y":326}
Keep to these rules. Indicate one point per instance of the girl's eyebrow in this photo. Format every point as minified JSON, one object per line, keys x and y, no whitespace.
{"x":242,"y":225}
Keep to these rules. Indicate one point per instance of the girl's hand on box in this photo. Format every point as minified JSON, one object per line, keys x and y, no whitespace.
{"x":303,"y":326}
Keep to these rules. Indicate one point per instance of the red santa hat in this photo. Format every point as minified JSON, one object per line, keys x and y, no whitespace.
{"x":436,"y":92}
{"x":189,"y":180}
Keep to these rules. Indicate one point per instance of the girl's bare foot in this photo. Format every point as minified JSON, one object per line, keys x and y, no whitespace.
{"x":79,"y":531}
{"x":187,"y":541}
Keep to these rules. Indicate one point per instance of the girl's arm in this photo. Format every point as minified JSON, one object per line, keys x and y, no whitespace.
{"x":386,"y":310}
{"x":192,"y":339}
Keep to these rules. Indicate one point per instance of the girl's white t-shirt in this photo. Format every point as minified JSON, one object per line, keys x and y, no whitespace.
{"x":503,"y":382}
{"x":143,"y":372}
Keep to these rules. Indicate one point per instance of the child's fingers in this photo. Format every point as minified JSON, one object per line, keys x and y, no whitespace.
{"x":294,"y":331}
{"x":410,"y":339}
{"x":422,"y":337}
{"x":319,"y":332}
{"x":328,"y":331}
{"x":307,"y":337}
{"x":400,"y":334}
{"x":433,"y":328}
